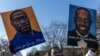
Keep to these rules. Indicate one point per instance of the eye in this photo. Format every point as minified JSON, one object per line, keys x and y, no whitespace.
{"x":15,"y":20}
{"x":86,"y":20}
{"x":23,"y":17}
{"x":78,"y":19}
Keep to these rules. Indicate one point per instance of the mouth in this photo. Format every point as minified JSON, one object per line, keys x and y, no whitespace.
{"x":82,"y":28}
{"x":25,"y":28}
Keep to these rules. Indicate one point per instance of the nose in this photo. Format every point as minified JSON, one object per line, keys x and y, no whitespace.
{"x":82,"y":22}
{"x":22,"y":21}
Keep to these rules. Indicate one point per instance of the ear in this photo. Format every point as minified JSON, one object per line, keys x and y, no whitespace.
{"x":91,"y":22}
{"x":74,"y":19}
{"x":12,"y":24}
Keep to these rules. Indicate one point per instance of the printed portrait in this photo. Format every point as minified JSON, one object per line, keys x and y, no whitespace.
{"x":81,"y":26}
{"x":22,"y":28}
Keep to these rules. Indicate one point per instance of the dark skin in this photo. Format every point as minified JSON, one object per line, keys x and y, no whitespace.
{"x":21,"y":22}
{"x":82,"y":22}
{"x":56,"y":52}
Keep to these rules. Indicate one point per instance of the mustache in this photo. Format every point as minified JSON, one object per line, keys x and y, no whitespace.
{"x":82,"y":25}
{"x":24,"y":24}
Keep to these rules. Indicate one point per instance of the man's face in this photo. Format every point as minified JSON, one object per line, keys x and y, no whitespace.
{"x":82,"y":21}
{"x":21,"y":22}
{"x":56,"y":52}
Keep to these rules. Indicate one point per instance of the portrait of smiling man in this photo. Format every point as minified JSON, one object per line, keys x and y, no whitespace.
{"x":83,"y":21}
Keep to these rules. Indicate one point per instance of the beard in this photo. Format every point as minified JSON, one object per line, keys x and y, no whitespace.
{"x":24,"y":29}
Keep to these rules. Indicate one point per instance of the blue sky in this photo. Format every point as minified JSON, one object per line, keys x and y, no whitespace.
{"x":46,"y":11}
